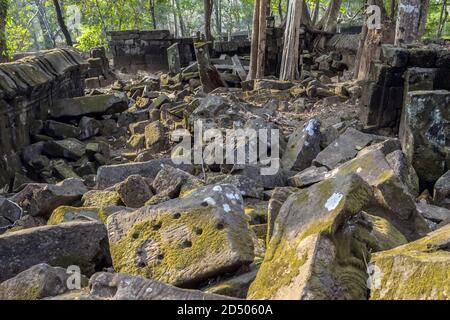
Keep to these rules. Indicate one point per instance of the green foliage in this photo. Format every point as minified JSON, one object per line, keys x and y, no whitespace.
{"x":91,"y":36}
{"x":31,"y":29}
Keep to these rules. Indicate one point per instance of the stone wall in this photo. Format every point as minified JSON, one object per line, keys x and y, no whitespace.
{"x":146,"y":50}
{"x":408,"y":92}
{"x":398,"y":72}
{"x":28,"y":88}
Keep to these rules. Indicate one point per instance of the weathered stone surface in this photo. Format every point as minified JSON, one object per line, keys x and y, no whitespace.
{"x":404,"y":170}
{"x":156,"y":137}
{"x":134,"y":191}
{"x":308,"y":177}
{"x":279,"y":196}
{"x":419,"y":270}
{"x":441,"y":195}
{"x":424,"y":133}
{"x":101,"y":198}
{"x":236,"y":287}
{"x":84,"y":244}
{"x":41,"y":199}
{"x":68,"y":214}
{"x":60,"y":130}
{"x":308,"y":257}
{"x":303,"y":147}
{"x":183,"y":241}
{"x":38,"y":282}
{"x":433,"y":213}
{"x":345,"y":148}
{"x":394,"y":203}
{"x":247,"y":186}
{"x":173,"y":182}
{"x":89,"y":127}
{"x":90,"y":105}
{"x":71,"y":149}
{"x":9,"y":214}
{"x":108,"y":176}
{"x":119,"y":286}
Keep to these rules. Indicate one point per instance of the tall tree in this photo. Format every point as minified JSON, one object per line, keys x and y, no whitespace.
{"x":424,"y":8}
{"x":442,"y":18}
{"x":261,"y":61}
{"x":3,"y":16}
{"x":153,"y":14}
{"x":408,"y":22}
{"x":62,"y":23}
{"x":208,"y":6}
{"x":47,"y":32}
{"x":290,"y":58}
{"x":254,"y":41}
{"x":218,"y":16}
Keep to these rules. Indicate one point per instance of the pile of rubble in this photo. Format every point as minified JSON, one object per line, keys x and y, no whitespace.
{"x":344,"y":209}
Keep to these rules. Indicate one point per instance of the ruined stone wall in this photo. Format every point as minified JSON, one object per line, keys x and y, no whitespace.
{"x":28,"y":88}
{"x":346,"y":45}
{"x":146,"y":50}
{"x":408,"y":92}
{"x":399,"y":72}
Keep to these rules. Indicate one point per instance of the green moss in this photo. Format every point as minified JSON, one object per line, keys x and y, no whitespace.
{"x":418,"y":270}
{"x":22,"y":291}
{"x":101,"y":199}
{"x":67,"y":214}
{"x":209,"y":236}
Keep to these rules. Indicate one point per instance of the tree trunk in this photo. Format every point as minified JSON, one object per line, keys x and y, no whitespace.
{"x":316,"y":12}
{"x":261,"y":61}
{"x":3,"y":16}
{"x":369,"y":47}
{"x":290,"y":58}
{"x":152,"y":12}
{"x":424,"y":7}
{"x":180,"y":19}
{"x":407,"y":29}
{"x":218,"y":14}
{"x":393,"y":9}
{"x":208,"y":12}
{"x":175,"y":21}
{"x":255,"y":41}
{"x":280,"y":10}
{"x":62,"y":24}
{"x":45,"y":27}
{"x":442,"y":18}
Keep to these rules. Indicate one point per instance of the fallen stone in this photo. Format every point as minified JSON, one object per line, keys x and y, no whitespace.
{"x":108,"y":176}
{"x":424,"y":133}
{"x":71,"y":149}
{"x":41,"y":199}
{"x":308,"y":177}
{"x":134,"y":191}
{"x":183,"y":241}
{"x":59,"y":130}
{"x":38,"y":282}
{"x":119,"y":286}
{"x":345,"y":148}
{"x":247,"y":186}
{"x":236,"y":287}
{"x":433,"y":213}
{"x":69,"y":214}
{"x":90,"y":105}
{"x":441,"y":195}
{"x":309,"y":252}
{"x":393,"y":202}
{"x":84,"y":244}
{"x":416,"y":271}
{"x":303,"y":147}
{"x":101,"y":198}
{"x":89,"y":127}
{"x":9,"y":214}
{"x":403,"y":169}
{"x":277,"y":199}
{"x":156,"y":138}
